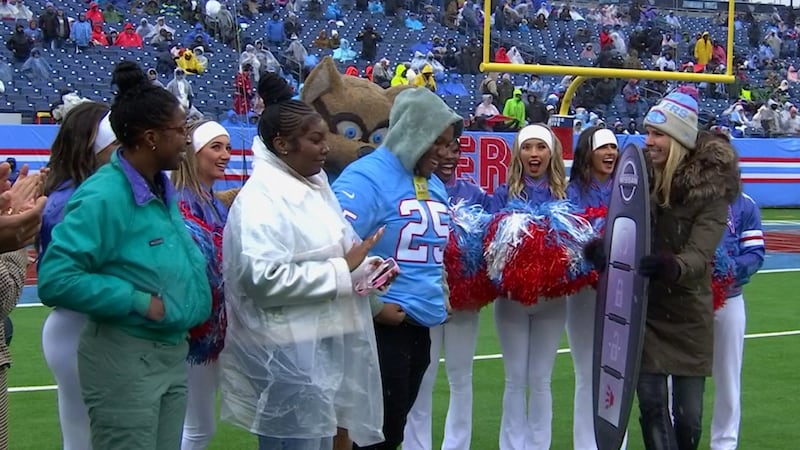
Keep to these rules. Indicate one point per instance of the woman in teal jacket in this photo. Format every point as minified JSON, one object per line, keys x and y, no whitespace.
{"x":123,"y":257}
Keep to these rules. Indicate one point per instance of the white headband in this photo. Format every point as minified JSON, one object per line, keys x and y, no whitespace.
{"x":537,"y":132}
{"x":105,"y":135}
{"x":205,"y":133}
{"x":603,"y":137}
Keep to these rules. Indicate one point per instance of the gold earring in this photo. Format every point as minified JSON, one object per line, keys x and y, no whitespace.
{"x":154,"y":148}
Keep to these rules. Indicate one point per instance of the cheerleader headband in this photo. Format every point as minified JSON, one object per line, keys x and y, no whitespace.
{"x":537,"y":132}
{"x":105,"y":135}
{"x":205,"y":133}
{"x":603,"y":137}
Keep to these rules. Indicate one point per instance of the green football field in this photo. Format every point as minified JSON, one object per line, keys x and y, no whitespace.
{"x":771,"y":391}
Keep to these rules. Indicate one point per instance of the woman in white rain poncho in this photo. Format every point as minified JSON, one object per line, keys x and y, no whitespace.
{"x":300,"y":357}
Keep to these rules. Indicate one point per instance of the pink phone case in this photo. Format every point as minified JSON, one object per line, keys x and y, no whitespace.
{"x":381,"y":276}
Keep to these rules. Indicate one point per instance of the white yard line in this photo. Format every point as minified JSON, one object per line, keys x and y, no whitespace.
{"x":769,"y":271}
{"x":780,"y":222}
{"x":476,"y":358}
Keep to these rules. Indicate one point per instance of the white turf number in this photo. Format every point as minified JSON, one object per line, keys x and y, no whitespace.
{"x":406,"y":250}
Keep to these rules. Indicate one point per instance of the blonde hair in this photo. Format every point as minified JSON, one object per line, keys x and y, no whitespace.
{"x":662,"y":179}
{"x":185,"y":177}
{"x":557,"y":174}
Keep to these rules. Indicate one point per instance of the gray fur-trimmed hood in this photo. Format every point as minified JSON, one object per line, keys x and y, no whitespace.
{"x":709,"y":172}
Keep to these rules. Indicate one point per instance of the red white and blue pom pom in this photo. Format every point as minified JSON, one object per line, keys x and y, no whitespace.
{"x":582,"y":273}
{"x":537,"y":251}
{"x":722,"y":277}
{"x":470,"y":287}
{"x":468,"y":227}
{"x":207,"y":340}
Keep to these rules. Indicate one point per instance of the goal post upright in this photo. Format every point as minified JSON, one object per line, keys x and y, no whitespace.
{"x":582,"y":73}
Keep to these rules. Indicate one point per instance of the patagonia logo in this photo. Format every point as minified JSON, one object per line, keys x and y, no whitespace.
{"x":155,"y":242}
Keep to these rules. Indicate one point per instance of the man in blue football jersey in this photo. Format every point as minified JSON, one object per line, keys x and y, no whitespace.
{"x":393,"y":187}
{"x":744,"y":242}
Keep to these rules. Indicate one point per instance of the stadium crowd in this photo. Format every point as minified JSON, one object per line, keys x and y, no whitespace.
{"x":274,"y":36}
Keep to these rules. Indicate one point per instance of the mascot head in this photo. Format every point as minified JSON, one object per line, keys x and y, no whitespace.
{"x":355,"y":109}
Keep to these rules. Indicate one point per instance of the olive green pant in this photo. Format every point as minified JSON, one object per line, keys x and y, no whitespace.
{"x":135,"y":389}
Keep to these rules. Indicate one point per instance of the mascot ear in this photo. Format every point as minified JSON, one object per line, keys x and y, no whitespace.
{"x":324,"y":78}
{"x":392,"y":92}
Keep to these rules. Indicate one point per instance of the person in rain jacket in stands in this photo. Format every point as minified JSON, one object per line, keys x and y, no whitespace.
{"x":81,"y":32}
{"x":95,"y":15}
{"x":515,"y":109}
{"x":189,"y":63}
{"x":425,"y":78}
{"x":703,"y":49}
{"x":275,"y":29}
{"x":400,"y":78}
{"x":129,"y":38}
{"x":369,"y":39}
{"x":190,"y":40}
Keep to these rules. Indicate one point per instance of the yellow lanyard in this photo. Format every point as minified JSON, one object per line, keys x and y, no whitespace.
{"x":421,"y":188}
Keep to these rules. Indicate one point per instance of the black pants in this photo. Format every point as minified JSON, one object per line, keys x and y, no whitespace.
{"x":404,"y":352}
{"x":658,"y":430}
{"x":9,"y":329}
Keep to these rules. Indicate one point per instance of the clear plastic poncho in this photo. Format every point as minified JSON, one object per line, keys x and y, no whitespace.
{"x":300,"y":357}
{"x":37,"y":68}
{"x":269,"y":62}
{"x":418,"y":62}
{"x":344,"y":53}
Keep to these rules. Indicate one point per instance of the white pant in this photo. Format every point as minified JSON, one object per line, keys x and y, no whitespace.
{"x":529,"y":337}
{"x":729,"y":325}
{"x":580,"y":332}
{"x":200,"y":421}
{"x":60,"y":336}
{"x":458,"y":337}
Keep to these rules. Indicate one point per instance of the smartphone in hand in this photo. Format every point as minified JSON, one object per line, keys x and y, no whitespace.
{"x":383,"y":274}
{"x":380,"y":277}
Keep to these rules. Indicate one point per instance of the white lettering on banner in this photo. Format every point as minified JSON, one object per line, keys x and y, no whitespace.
{"x":430,"y":215}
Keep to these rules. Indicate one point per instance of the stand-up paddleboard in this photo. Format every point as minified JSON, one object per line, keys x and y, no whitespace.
{"x":621,"y":301}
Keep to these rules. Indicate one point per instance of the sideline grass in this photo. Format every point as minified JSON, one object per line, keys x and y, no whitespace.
{"x":769,"y":379}
{"x":780,"y":214}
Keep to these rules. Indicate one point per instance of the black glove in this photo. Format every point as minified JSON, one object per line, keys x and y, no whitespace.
{"x":662,"y":267}
{"x":595,"y":253}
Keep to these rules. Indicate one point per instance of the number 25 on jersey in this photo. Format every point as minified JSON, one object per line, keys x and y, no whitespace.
{"x":430,"y":220}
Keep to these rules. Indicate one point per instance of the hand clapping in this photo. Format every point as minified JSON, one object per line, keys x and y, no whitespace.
{"x":21,"y":207}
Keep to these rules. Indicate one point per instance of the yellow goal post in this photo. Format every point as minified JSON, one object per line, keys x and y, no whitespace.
{"x":597,"y":72}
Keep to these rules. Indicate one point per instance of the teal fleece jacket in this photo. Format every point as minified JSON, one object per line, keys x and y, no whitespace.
{"x":119,"y":244}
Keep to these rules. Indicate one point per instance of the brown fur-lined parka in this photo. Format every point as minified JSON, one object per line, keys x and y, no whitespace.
{"x":679,"y":336}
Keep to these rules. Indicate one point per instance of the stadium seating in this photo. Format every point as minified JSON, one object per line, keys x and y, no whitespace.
{"x":89,"y":71}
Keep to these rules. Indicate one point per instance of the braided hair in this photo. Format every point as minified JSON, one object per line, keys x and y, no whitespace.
{"x":139,"y":104}
{"x":282,"y":115}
